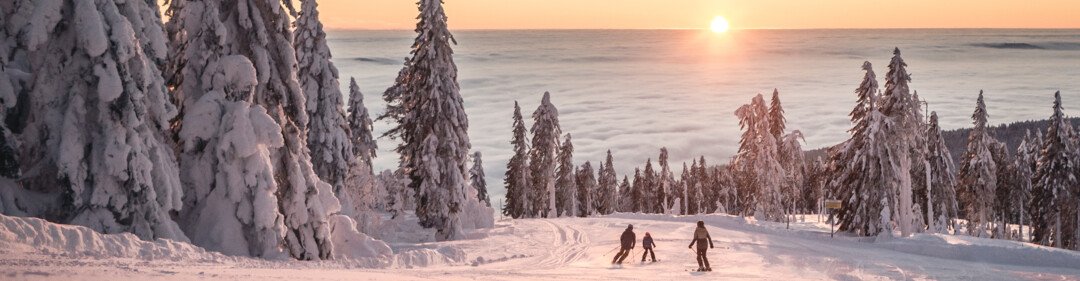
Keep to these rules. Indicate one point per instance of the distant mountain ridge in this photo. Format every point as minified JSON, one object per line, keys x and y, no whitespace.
{"x":1012,"y":134}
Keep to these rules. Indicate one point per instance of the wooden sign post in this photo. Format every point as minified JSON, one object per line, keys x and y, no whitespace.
{"x":832,"y":204}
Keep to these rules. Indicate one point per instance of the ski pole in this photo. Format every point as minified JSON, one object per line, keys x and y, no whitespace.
{"x":612,"y":250}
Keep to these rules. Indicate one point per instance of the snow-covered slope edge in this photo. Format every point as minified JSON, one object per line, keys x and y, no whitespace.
{"x":24,"y":235}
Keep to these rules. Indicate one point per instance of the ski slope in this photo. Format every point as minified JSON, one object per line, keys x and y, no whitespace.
{"x":551,"y":249}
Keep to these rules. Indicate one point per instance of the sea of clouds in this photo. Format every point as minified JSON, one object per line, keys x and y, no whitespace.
{"x":635,"y":91}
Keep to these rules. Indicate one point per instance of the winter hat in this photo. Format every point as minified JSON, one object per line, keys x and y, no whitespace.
{"x":700,"y":224}
{"x":629,"y":226}
{"x":647,"y":234}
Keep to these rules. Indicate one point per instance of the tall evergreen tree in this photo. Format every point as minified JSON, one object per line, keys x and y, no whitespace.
{"x":650,"y":194}
{"x":1026,"y":162}
{"x":586,"y":184}
{"x":855,"y":165}
{"x":979,"y":174}
{"x":637,"y":196}
{"x":758,"y":156}
{"x":328,"y":135}
{"x":91,"y":115}
{"x":941,"y":206}
{"x":606,"y":202}
{"x":687,"y":191}
{"x":777,"y":122}
{"x":477,"y":181}
{"x":903,"y":123}
{"x":625,"y":195}
{"x":431,"y":124}
{"x":566,"y":185}
{"x":360,"y":127}
{"x":666,"y":183}
{"x":1054,"y":177}
{"x":203,"y":32}
{"x":517,"y":171}
{"x":545,"y":145}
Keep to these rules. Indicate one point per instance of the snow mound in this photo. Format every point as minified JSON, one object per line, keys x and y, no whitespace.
{"x":32,"y":235}
{"x":983,"y":250}
{"x":350,"y":243}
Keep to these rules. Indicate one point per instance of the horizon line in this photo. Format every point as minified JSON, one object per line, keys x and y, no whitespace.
{"x":706,"y":29}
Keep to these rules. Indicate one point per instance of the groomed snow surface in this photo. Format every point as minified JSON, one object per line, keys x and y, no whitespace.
{"x":550,"y":249}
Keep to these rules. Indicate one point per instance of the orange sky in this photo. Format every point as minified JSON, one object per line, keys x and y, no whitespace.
{"x":748,"y":14}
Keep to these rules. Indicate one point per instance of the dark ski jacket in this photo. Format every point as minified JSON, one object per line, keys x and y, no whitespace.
{"x":647,"y":242}
{"x":700,"y":236}
{"x":628,"y":239}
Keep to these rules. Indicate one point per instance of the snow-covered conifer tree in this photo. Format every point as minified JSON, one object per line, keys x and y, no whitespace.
{"x":586,"y":185}
{"x":477,"y":181}
{"x":625,"y":195}
{"x":855,"y":165}
{"x":606,"y":201}
{"x":363,"y":140}
{"x":1054,"y":178}
{"x":684,"y":184}
{"x":517,"y":171}
{"x":361,"y":180}
{"x":777,"y":122}
{"x":941,"y":207}
{"x":902,"y":126}
{"x":566,"y":185}
{"x":666,"y":182}
{"x":92,"y":114}
{"x":978,"y":174}
{"x":545,"y":145}
{"x":1025,"y":163}
{"x":328,"y":137}
{"x":637,"y":195}
{"x":203,"y":32}
{"x":649,"y":193}
{"x":431,"y":124}
{"x":758,"y":156}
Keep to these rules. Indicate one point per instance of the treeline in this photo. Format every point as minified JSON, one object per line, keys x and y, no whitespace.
{"x":896,"y":173}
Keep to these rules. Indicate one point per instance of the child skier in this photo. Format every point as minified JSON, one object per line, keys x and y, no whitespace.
{"x":700,"y":236}
{"x":648,"y":244}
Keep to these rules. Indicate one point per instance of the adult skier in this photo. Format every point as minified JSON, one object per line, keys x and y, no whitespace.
{"x":648,"y":245}
{"x":700,"y":236}
{"x":627,"y":242}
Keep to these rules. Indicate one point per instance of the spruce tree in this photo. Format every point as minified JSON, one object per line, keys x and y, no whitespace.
{"x":360,"y":127}
{"x":328,"y":137}
{"x":637,"y":196}
{"x":586,"y":184}
{"x":978,"y":174}
{"x":566,"y":184}
{"x":854,"y":165}
{"x":477,"y":181}
{"x":517,"y":171}
{"x":625,"y":196}
{"x":1025,"y":163}
{"x":607,"y":200}
{"x":941,"y":205}
{"x":90,"y":124}
{"x":545,"y":145}
{"x":431,"y":124}
{"x":758,"y":157}
{"x":687,"y":191}
{"x":666,"y":183}
{"x":649,"y":183}
{"x":777,"y":122}
{"x":902,"y":125}
{"x":1054,"y":177}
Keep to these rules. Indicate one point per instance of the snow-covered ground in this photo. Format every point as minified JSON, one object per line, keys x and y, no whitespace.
{"x":550,"y":249}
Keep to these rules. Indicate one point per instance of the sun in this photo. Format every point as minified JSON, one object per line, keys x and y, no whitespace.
{"x":719,"y":25}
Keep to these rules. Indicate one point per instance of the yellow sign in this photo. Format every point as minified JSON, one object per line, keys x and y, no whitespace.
{"x":832,"y":204}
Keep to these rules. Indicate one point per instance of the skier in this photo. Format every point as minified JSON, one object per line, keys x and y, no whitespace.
{"x":700,"y":236}
{"x":648,"y":244}
{"x":627,"y":242}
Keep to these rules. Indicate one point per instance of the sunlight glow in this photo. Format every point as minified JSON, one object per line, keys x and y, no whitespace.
{"x":719,"y":25}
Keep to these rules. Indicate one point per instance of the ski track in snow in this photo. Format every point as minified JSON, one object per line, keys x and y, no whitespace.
{"x":560,"y":249}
